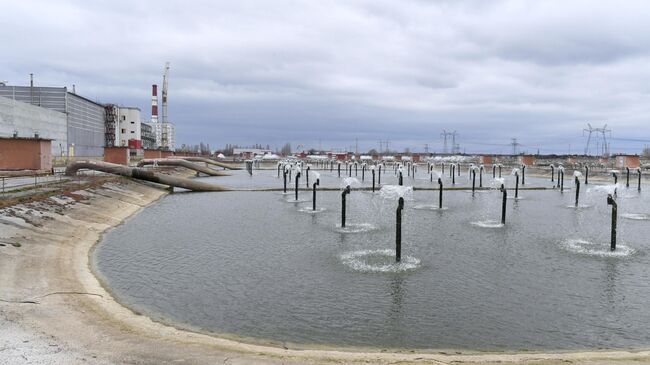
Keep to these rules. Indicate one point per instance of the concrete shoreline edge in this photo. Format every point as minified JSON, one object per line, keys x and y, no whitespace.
{"x":54,"y":265}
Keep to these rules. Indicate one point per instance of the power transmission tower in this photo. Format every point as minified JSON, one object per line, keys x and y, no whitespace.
{"x":453,"y":136}
{"x":600,"y":133}
{"x":426,"y":148}
{"x":514,"y":145}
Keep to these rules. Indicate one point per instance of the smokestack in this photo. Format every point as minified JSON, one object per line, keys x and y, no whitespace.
{"x":154,"y":103}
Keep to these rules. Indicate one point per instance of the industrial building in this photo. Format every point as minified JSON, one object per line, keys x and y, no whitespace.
{"x":85,"y":119}
{"x":148,"y":136}
{"x":22,"y":120}
{"x":123,"y":127}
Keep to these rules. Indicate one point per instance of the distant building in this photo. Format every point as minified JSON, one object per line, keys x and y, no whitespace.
{"x":249,"y":152}
{"x":85,"y":119}
{"x":123,"y":126}
{"x":630,"y":161}
{"x":148,"y":136}
{"x":165,"y":135}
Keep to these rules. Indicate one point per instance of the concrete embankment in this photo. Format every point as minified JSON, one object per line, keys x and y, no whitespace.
{"x":53,"y":309}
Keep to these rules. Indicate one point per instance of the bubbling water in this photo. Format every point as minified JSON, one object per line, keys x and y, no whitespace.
{"x":589,"y":248}
{"x":382,"y":261}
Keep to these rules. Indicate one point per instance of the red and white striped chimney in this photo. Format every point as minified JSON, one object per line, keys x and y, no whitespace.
{"x":154,"y":103}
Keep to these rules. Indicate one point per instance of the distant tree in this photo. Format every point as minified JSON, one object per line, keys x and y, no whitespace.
{"x":286,"y":149}
{"x":407,"y":151}
{"x":312,"y":151}
{"x":373,"y":152}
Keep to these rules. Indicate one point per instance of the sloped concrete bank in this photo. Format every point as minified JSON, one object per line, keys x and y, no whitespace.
{"x":53,"y":309}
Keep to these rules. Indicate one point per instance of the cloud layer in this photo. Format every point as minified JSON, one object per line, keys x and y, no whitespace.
{"x":303,"y":71}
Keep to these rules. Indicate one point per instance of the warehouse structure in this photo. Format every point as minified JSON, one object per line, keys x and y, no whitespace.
{"x":22,"y":120}
{"x":85,"y":119}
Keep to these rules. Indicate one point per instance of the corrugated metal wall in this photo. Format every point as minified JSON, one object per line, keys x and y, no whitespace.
{"x":85,"y":126}
{"x":85,"y":118}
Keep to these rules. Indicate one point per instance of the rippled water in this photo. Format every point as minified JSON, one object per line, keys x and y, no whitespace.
{"x":251,"y":265}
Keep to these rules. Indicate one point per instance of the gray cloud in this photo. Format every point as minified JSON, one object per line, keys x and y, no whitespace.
{"x":300,"y":71}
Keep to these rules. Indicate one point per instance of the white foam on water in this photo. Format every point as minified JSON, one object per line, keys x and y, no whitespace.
{"x":636,"y":216}
{"x":599,"y":249}
{"x":378,"y":261}
{"x":428,"y":207}
{"x":356,"y":228}
{"x":488,"y":224}
{"x":604,"y":189}
{"x":394,"y":192}
{"x":309,"y":210}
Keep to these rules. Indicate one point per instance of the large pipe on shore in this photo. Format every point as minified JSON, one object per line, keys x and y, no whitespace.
{"x":209,"y":161}
{"x":142,"y":174}
{"x":182,"y":163}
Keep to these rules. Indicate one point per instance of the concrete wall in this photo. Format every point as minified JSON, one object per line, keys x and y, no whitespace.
{"x":28,"y":119}
{"x":25,"y":154}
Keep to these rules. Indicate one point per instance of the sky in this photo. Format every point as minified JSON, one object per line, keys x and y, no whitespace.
{"x":341,"y":74}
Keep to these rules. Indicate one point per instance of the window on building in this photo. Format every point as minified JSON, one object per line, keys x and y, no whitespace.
{"x":124,"y":117}
{"x":132,"y":122}
{"x":123,"y":130}
{"x":132,"y":131}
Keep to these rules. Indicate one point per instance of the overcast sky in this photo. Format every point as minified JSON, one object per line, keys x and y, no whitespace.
{"x":272,"y":72}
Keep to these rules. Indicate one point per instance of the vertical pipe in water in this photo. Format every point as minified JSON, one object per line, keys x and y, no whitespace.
{"x":345,"y":192}
{"x":473,"y":181}
{"x":453,"y":174}
{"x":504,"y":199}
{"x":586,"y":175}
{"x":297,"y":179}
{"x":439,"y":193}
{"x":401,"y":180}
{"x":560,"y":180}
{"x":494,"y":171}
{"x":612,"y":202}
{"x":480,"y":177}
{"x":379,"y":179}
{"x":516,"y":185}
{"x":552,"y":173}
{"x":627,"y":181}
{"x":313,"y":195}
{"x":523,"y":175}
{"x":577,"y":190}
{"x":307,"y":177}
{"x":639,"y":185}
{"x":398,"y":233}
{"x":373,"y":180}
